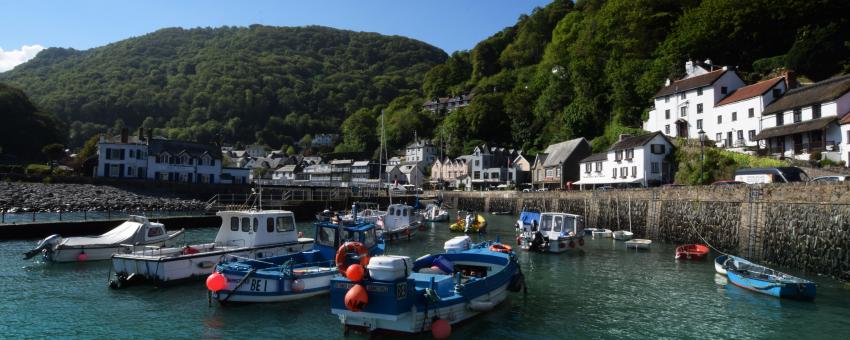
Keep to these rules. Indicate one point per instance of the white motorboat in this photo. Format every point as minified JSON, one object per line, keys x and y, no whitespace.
{"x":400,"y":222}
{"x":136,"y":231}
{"x":602,"y":233}
{"x":638,"y":243}
{"x":622,"y":235}
{"x":244,"y":234}
{"x":364,"y":212}
{"x":433,"y":213}
{"x":559,"y":232}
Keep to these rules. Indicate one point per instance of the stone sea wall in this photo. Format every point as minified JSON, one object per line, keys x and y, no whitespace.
{"x":801,"y":226}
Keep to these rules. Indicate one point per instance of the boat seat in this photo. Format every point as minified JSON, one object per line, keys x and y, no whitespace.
{"x":444,"y":283}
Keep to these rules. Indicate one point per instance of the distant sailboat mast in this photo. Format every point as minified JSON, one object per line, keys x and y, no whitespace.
{"x":386,"y":155}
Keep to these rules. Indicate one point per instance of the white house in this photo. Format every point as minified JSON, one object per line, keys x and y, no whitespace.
{"x":421,"y":151}
{"x":682,"y":104}
{"x":324,"y":139}
{"x":255,"y":150}
{"x":805,"y":120}
{"x":737,"y":118}
{"x":632,"y":161}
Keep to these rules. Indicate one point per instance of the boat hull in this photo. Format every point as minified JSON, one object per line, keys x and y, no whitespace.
{"x":404,"y":233}
{"x":622,"y":235}
{"x":720,"y":264}
{"x":264,"y":288}
{"x":602,"y":233}
{"x":692,"y":252}
{"x":796,"y":291}
{"x":638,"y":244}
{"x":62,"y":253}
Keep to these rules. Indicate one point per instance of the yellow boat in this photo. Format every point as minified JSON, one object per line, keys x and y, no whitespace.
{"x":480,"y":224}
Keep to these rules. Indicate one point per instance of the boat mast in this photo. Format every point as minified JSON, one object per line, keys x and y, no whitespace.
{"x":386,"y":155}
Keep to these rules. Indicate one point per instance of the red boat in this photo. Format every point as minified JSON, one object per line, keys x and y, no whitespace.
{"x":691,"y":252}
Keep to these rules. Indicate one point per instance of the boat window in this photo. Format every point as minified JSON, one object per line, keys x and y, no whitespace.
{"x":270,"y":224}
{"x":398,"y":212}
{"x":246,"y":224}
{"x":546,"y":223}
{"x":370,"y":238}
{"x":327,"y":236}
{"x":285,"y":224}
{"x":391,"y":211}
{"x":570,"y":224}
{"x":234,"y":223}
{"x":154,"y":232}
{"x":558,"y":223}
{"x":404,"y":212}
{"x":350,"y":236}
{"x":256,"y":224}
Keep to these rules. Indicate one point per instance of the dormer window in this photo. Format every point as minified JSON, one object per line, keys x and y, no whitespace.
{"x":724,"y":90}
{"x":185,"y":160}
{"x":682,"y":95}
{"x":815,"y":111}
{"x":777,"y":93}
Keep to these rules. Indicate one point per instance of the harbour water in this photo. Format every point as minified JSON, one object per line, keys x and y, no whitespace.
{"x":604,"y":292}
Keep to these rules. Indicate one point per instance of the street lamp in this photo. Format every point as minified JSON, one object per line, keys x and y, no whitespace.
{"x":701,"y":153}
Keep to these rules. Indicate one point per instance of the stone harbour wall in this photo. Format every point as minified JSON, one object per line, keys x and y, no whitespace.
{"x":800,"y":226}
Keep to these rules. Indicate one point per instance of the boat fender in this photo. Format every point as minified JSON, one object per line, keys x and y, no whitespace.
{"x":356,"y":298}
{"x":480,"y":306}
{"x":572,"y":244}
{"x":581,"y":242}
{"x":82,"y":257}
{"x":297,"y":286}
{"x":519,"y":240}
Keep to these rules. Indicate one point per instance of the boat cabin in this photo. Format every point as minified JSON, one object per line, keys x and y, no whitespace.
{"x":556,"y":225}
{"x":152,"y":232}
{"x":329,"y":236}
{"x":400,"y":215}
{"x":254,"y":228}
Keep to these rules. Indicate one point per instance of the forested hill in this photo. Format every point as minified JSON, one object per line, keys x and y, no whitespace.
{"x":25,"y":129}
{"x":232,"y":84}
{"x":590,"y":68}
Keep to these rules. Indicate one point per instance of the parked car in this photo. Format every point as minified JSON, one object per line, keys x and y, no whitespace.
{"x":727,"y":182}
{"x":830,"y":179}
{"x":771,"y":175}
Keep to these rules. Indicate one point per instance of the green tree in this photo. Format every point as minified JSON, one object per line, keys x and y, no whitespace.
{"x":53,"y":152}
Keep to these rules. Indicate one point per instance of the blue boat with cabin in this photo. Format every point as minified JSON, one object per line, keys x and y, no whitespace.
{"x":432,"y":292}
{"x":761,"y":279}
{"x":299,"y":275}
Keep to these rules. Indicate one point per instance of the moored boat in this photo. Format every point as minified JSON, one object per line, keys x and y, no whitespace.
{"x":136,"y":231}
{"x":638,"y":243}
{"x":471,"y":223}
{"x":720,"y":264}
{"x":529,"y":220}
{"x":299,"y":275}
{"x":434,"y":213}
{"x":761,"y":279}
{"x":602,"y":233}
{"x":433,"y":293}
{"x":559,"y":232}
{"x":691,"y":252}
{"x":400,"y":223}
{"x":243,"y":233}
{"x":622,"y":235}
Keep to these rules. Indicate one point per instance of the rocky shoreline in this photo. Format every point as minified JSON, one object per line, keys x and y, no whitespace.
{"x":19,"y":197}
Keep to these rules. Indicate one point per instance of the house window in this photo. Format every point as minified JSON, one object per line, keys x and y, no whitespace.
{"x":815,"y":111}
{"x":667,"y":98}
{"x":487,"y":175}
{"x":130,"y":172}
{"x":476,"y":174}
{"x":751,"y":113}
{"x":718,"y":137}
{"x":587,"y":167}
{"x":477,"y":162}
{"x":618,"y":155}
{"x":667,"y":129}
{"x":682,"y":95}
{"x":798,"y":115}
{"x":599,"y":166}
{"x":550,"y":173}
{"x":723,"y":90}
{"x":780,"y":119}
{"x":654,"y":167}
{"x":630,"y":153}
{"x":699,"y":108}
{"x":667,"y":114}
{"x":658,"y":149}
{"x":752,"y":134}
{"x":699,"y":124}
{"x":624,"y":172}
{"x":615,"y":172}
{"x":114,"y":170}
{"x":683,"y":111}
{"x":740,"y":134}
{"x":734,"y":116}
{"x":719,"y":119}
{"x":699,"y":91}
{"x":113,"y":154}
{"x":495,"y":175}
{"x":634,"y":171}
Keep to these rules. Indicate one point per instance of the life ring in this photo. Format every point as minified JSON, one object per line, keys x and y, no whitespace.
{"x":349,"y":248}
{"x":501,"y":248}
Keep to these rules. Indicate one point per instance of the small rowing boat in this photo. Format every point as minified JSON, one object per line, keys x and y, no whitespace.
{"x":691,"y":252}
{"x":761,"y":279}
{"x":602,"y":233}
{"x":638,"y":243}
{"x":622,"y":235}
{"x":720,"y":263}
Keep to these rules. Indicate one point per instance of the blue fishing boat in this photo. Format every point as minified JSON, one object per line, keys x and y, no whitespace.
{"x":432,"y":293}
{"x":299,"y":275}
{"x":528,"y":220}
{"x":761,"y":279}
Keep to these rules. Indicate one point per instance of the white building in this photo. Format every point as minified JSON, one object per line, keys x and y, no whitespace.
{"x":421,"y":151}
{"x":632,"y":161}
{"x":737,"y":118}
{"x":805,"y":120}
{"x":255,"y":150}
{"x":680,"y":105}
{"x":165,"y":160}
{"x":324,"y":139}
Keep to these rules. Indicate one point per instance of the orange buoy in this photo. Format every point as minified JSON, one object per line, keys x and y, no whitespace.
{"x":297,"y":286}
{"x":356,"y":298}
{"x":441,"y":329}
{"x":354,"y":272}
{"x":216,"y":282}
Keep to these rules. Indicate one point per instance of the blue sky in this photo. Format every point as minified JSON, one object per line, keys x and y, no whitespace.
{"x":83,"y":24}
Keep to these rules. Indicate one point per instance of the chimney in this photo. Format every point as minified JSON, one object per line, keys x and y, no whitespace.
{"x":790,"y":79}
{"x":124,"y":135}
{"x":623,"y":136}
{"x":689,"y":68}
{"x":141,"y":134}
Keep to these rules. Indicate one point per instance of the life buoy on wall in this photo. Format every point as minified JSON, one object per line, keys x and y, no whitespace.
{"x":347,"y":249}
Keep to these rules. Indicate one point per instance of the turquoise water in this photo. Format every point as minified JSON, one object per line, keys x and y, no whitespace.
{"x":607,"y":292}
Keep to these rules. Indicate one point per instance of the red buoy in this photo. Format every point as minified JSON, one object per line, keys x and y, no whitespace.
{"x":297,"y":286}
{"x":356,"y":298}
{"x":216,"y":282}
{"x":518,"y":240}
{"x":354,"y":272}
{"x":441,"y":329}
{"x":82,"y":257}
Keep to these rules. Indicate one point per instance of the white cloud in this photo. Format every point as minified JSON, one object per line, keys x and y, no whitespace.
{"x":10,"y":59}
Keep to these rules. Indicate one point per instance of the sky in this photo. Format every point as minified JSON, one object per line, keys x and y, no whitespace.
{"x":29,"y":26}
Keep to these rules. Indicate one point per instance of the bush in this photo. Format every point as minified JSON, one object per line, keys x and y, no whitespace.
{"x":37,"y":169}
{"x":62,"y":172}
{"x":827,"y":162}
{"x":47,"y":179}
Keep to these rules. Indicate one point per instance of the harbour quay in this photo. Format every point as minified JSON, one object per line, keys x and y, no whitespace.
{"x":801,"y":226}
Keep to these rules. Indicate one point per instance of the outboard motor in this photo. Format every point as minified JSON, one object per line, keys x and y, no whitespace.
{"x":537,"y":242}
{"x":47,"y":243}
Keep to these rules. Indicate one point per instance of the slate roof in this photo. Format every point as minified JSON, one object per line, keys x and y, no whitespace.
{"x":750,"y":91}
{"x":846,"y":119}
{"x":157,"y":146}
{"x":691,"y":83}
{"x":790,"y":129}
{"x":632,"y":142}
{"x":361,"y":163}
{"x":595,"y":157}
{"x":559,"y":152}
{"x":820,"y":92}
{"x":287,"y":168}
